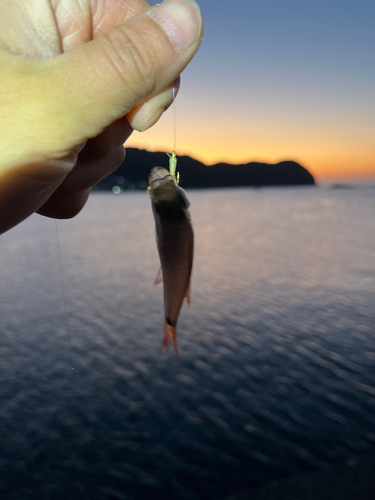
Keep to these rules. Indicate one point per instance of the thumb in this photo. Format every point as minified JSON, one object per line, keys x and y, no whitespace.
{"x":109,"y":76}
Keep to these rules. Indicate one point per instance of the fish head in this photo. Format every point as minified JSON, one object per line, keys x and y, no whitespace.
{"x":161,"y":185}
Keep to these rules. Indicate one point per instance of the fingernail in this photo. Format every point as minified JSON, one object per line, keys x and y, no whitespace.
{"x":145,"y":115}
{"x":180,"y":20}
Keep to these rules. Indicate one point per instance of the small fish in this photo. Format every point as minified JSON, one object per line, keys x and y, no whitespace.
{"x":175,"y":242}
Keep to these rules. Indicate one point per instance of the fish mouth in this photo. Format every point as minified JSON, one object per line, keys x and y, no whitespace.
{"x":159,"y":176}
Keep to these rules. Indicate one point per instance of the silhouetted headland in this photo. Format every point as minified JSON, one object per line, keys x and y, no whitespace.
{"x":133,"y":173}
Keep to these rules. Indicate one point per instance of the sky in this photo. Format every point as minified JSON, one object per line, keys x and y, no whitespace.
{"x":278,"y":80}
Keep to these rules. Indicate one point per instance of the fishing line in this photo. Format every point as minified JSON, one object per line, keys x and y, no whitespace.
{"x":174,"y":118}
{"x":172,"y":157}
{"x":64,"y":294}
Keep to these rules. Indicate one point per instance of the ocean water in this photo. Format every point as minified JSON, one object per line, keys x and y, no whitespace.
{"x":276,"y":374}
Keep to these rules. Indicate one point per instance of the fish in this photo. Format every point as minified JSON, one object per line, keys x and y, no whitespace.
{"x":175,"y":243}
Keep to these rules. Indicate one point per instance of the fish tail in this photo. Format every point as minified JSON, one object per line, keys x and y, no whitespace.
{"x":170,"y":334}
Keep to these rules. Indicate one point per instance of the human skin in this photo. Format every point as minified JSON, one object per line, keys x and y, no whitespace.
{"x":76,"y":77}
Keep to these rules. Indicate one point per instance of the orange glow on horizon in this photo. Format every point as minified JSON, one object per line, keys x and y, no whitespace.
{"x":351,"y":168}
{"x":326,"y":148}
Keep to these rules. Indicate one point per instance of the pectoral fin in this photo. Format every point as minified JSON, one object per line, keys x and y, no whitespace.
{"x":187,"y":296}
{"x":159,"y":278}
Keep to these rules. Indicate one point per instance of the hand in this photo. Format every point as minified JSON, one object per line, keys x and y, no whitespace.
{"x":76,"y":77}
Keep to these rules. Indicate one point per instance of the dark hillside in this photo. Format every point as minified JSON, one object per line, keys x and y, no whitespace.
{"x":134,"y":171}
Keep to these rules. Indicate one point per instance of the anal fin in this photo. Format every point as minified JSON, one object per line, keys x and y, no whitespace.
{"x":159,"y":278}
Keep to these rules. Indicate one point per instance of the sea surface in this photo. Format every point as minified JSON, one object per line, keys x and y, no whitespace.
{"x":276,"y":374}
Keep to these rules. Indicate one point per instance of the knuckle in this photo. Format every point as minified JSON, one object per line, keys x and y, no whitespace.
{"x":133,"y":58}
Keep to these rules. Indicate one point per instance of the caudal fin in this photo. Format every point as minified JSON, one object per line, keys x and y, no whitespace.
{"x":170,"y":334}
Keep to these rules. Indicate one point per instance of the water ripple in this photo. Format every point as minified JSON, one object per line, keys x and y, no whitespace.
{"x":277,"y":352}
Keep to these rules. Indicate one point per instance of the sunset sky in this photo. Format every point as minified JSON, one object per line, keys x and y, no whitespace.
{"x":279,"y":80}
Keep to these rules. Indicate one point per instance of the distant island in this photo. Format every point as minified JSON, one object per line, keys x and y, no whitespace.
{"x":133,"y":173}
